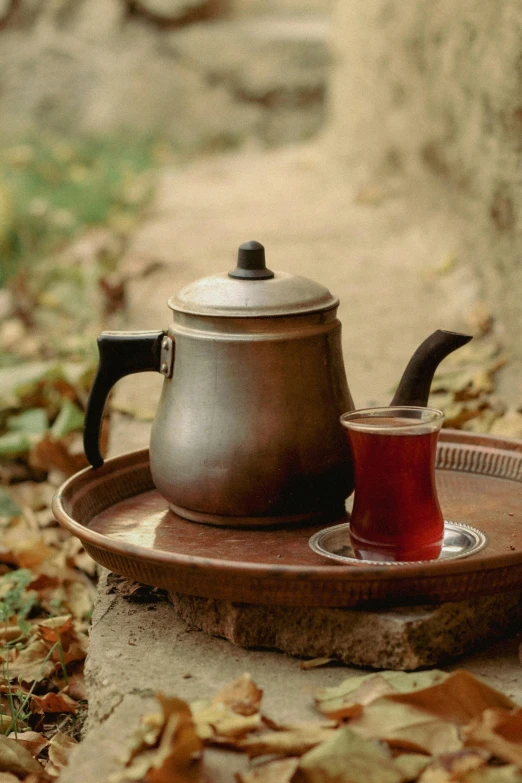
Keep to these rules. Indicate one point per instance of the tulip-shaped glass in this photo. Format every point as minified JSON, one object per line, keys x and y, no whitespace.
{"x":396,"y":513}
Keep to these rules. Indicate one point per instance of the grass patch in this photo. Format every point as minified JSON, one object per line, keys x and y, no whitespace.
{"x":51,"y":190}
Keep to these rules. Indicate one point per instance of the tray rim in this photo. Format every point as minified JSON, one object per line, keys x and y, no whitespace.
{"x":339,"y":572}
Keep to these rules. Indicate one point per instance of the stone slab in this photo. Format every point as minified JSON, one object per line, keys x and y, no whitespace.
{"x":402,"y":637}
{"x":140,"y":647}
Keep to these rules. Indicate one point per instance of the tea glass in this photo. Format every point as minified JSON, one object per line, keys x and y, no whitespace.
{"x":396,"y":513}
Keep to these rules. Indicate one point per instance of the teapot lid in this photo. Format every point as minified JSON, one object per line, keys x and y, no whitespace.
{"x":251,"y":290}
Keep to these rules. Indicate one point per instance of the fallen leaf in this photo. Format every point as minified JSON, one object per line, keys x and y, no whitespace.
{"x":458,"y":698}
{"x":69,"y":419}
{"x":51,"y":452}
{"x":242,"y":696}
{"x":498,"y":731}
{"x":16,"y":759}
{"x":411,"y":764}
{"x":291,"y":742}
{"x":508,"y":774}
{"x":54,"y":628}
{"x":279,"y":771}
{"x":314,"y":663}
{"x":32,"y":421}
{"x":167,"y":749}
{"x":509,"y":425}
{"x":347,"y":758}
{"x":347,"y":699}
{"x":452,"y":766}
{"x":33,"y":741}
{"x":30,"y":664}
{"x":218,"y":722}
{"x":60,"y":749}
{"x":9,"y":508}
{"x":53,"y":702}
{"x":406,"y":728}
{"x":76,"y":688}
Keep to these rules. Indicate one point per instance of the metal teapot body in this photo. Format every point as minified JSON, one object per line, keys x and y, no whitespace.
{"x":247,"y":428}
{"x":247,"y":431}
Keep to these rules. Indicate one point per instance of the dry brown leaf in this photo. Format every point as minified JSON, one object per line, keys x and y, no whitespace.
{"x":16,"y":759}
{"x":53,"y":702}
{"x":33,"y":741}
{"x":30,"y":664}
{"x":498,"y":731}
{"x":292,"y":742}
{"x":217,"y":722}
{"x":347,"y":758}
{"x":76,"y":688}
{"x":406,"y":728}
{"x":242,"y":696}
{"x":412,"y":764}
{"x":51,"y":452}
{"x":347,"y":699}
{"x":507,"y":774}
{"x":64,"y":629}
{"x":9,"y":633}
{"x":452,"y":766}
{"x":168,"y":749}
{"x":279,"y":771}
{"x":60,"y":749}
{"x":314,"y":663}
{"x":459,"y":698}
{"x":55,"y":628}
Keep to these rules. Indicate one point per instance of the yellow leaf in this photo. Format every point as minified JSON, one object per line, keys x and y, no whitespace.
{"x":279,"y":771}
{"x":453,"y":766}
{"x":411,"y":764}
{"x":217,"y":721}
{"x":348,"y":698}
{"x":291,"y":742}
{"x":347,"y":758}
{"x":406,"y":728}
{"x":508,"y":774}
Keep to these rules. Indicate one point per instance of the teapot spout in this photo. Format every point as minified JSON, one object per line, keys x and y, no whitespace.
{"x":414,"y":387}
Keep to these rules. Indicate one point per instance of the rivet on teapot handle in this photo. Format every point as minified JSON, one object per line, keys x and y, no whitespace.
{"x":122,"y":353}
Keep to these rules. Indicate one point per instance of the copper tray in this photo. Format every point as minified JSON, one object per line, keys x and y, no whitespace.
{"x":125,"y":524}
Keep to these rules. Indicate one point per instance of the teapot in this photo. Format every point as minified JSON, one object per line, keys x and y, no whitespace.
{"x":247,"y":431}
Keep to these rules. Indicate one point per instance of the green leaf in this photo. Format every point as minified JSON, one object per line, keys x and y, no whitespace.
{"x":8,"y":507}
{"x":69,"y":419}
{"x":14,"y":444}
{"x":31,"y":422}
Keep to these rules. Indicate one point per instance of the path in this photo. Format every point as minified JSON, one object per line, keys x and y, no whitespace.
{"x":392,"y":257}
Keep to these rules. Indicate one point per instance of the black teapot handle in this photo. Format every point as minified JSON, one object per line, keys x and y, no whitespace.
{"x":122,"y":353}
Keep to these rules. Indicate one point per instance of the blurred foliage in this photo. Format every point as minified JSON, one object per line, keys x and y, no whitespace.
{"x":67,"y":212}
{"x":53,"y":190}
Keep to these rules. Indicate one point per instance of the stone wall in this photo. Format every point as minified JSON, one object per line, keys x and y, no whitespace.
{"x":434,"y":89}
{"x":197,"y":71}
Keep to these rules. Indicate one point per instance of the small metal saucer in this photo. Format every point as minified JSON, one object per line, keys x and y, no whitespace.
{"x":459,"y":541}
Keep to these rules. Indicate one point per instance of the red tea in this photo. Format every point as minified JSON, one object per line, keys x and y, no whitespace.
{"x":396,"y":513}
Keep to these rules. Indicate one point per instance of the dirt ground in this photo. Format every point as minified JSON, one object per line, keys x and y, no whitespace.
{"x":390,"y":254}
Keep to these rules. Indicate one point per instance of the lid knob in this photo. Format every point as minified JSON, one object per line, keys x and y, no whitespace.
{"x":251,"y":262}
